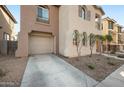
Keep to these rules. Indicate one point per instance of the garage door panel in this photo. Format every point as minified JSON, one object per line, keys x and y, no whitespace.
{"x":40,"y":45}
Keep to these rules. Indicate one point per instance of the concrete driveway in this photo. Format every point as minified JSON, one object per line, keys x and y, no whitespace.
{"x":51,"y":71}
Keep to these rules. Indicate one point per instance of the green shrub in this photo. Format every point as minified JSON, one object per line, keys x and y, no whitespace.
{"x":91,"y":66}
{"x":2,"y":73}
{"x":108,"y":58}
{"x":121,"y":56}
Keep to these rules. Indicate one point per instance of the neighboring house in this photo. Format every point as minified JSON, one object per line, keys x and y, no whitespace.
{"x":110,"y":27}
{"x":49,"y":29}
{"x":7,"y":22}
{"x":121,"y":40}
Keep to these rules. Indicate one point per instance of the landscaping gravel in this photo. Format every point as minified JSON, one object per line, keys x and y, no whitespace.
{"x":97,"y":66}
{"x":12,"y":70}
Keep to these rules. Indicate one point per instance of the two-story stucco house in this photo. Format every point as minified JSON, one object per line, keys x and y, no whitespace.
{"x":7,"y":22}
{"x":49,"y":29}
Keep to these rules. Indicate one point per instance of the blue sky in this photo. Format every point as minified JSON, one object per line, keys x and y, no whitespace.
{"x":115,"y":12}
{"x":15,"y":10}
{"x":112,"y":11}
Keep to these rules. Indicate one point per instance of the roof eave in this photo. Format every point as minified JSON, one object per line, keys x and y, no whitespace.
{"x":9,"y":13}
{"x":100,"y":8}
{"x":108,"y":18}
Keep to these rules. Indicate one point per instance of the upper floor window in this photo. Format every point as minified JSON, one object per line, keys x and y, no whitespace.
{"x":110,"y":25}
{"x":84,"y":13}
{"x":43,"y":14}
{"x":119,"y":29}
{"x":98,"y":22}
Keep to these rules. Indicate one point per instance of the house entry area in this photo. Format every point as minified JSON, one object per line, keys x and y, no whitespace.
{"x":41,"y":43}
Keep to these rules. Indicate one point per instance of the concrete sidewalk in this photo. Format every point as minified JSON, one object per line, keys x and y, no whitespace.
{"x":113,"y":57}
{"x":116,"y":79}
{"x":51,"y":71}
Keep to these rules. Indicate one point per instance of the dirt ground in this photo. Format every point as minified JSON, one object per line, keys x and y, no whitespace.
{"x":13,"y":69}
{"x":100,"y":64}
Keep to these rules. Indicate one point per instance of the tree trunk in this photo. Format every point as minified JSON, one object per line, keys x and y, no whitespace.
{"x":106,"y":46}
{"x":78,"y":53}
{"x":91,"y":51}
{"x":100,"y":47}
{"x":108,"y":49}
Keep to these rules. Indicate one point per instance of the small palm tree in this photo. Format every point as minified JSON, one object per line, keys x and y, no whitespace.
{"x":84,"y":39}
{"x":76,"y":40}
{"x":92,"y":40}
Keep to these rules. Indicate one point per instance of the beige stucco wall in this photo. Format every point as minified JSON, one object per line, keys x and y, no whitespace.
{"x":29,"y":23}
{"x":63,"y":27}
{"x":70,"y":21}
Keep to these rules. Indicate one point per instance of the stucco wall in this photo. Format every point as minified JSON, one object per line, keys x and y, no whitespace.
{"x":29,"y":23}
{"x":63,"y":27}
{"x":70,"y":21}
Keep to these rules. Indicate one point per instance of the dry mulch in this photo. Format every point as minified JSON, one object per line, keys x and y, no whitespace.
{"x":13,"y":69}
{"x":100,"y":63}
